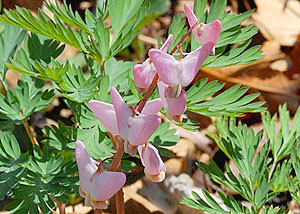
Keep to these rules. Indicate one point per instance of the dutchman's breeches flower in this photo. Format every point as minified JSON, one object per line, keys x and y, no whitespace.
{"x":175,"y":106}
{"x":204,"y":33}
{"x":96,"y":185}
{"x":176,"y":74}
{"x":135,"y":128}
{"x":154,"y":166}
{"x":144,"y":73}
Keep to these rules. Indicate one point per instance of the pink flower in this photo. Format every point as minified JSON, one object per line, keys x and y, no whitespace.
{"x":96,"y":186}
{"x":135,"y":128}
{"x":154,"y":166}
{"x":144,"y":73}
{"x":179,"y":73}
{"x":175,"y":106}
{"x":204,"y":33}
{"x":175,"y":74}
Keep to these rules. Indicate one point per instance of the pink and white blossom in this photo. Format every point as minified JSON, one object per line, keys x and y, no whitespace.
{"x":204,"y":33}
{"x":144,"y":73}
{"x":135,"y":128}
{"x":154,"y":166}
{"x":96,"y":186}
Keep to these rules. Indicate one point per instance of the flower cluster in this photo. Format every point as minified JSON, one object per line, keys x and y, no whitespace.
{"x":175,"y":74}
{"x":131,"y":127}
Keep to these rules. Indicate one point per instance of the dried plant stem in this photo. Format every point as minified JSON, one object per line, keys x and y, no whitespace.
{"x":98,"y":211}
{"x":30,"y":134}
{"x":61,"y":206}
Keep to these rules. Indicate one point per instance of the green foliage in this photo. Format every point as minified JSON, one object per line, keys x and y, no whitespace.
{"x":15,"y":36}
{"x":260,"y":177}
{"x":25,"y":99}
{"x":281,"y":141}
{"x":46,"y":176}
{"x":209,"y":204}
{"x":34,"y":58}
{"x":126,"y":20}
{"x":178,"y":29}
{"x":164,"y":136}
{"x":44,"y":25}
{"x":79,"y":87}
{"x":230,"y":102}
{"x":34,"y":178}
{"x":11,"y":159}
{"x":92,"y":132}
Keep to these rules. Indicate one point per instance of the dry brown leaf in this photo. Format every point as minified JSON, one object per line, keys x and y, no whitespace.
{"x":276,"y":23}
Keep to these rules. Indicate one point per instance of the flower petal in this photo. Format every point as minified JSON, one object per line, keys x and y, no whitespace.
{"x":151,"y":159}
{"x":143,"y":74}
{"x":106,"y":114}
{"x":162,"y":89}
{"x":204,"y":33}
{"x":167,"y":44}
{"x":141,"y":128}
{"x":105,"y":184}
{"x":86,"y":167}
{"x":156,"y":178}
{"x":177,"y":105}
{"x":166,"y":66}
{"x":152,"y":106}
{"x":209,"y":33}
{"x":123,"y":112}
{"x":191,"y":64}
{"x":191,"y":17}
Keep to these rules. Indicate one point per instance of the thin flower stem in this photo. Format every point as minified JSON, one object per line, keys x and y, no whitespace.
{"x":115,"y":166}
{"x":148,"y":93}
{"x":120,"y":207}
{"x":184,"y":37}
{"x":30,"y":134}
{"x":118,"y":156}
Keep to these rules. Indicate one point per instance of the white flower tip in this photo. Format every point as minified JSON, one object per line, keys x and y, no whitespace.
{"x":156,"y":178}
{"x":98,"y":204}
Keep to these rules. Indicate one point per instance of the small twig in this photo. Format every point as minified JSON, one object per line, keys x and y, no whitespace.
{"x":30,"y":134}
{"x":61,"y":206}
{"x":285,"y":5}
{"x":250,"y":84}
